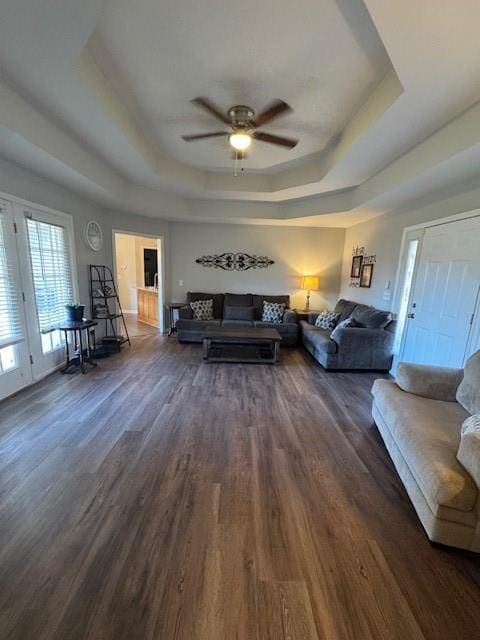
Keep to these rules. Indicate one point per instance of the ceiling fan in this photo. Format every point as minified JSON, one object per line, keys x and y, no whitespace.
{"x":242,"y":123}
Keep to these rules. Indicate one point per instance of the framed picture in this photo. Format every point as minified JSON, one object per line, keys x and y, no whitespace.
{"x":356,"y":266}
{"x":366,"y":275}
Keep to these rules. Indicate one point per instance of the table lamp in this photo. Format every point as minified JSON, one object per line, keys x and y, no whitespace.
{"x":310,"y":283}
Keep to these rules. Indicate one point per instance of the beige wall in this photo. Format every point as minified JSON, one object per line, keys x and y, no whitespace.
{"x":126,"y":270}
{"x":296,"y":252}
{"x":383,"y":236}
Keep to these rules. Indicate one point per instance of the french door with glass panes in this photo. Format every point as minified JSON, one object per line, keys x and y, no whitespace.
{"x":36,"y":282}
{"x":15,"y":367}
{"x":45,"y":248}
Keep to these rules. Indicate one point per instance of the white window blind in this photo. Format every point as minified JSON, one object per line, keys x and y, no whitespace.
{"x":51,"y":271}
{"x":10,"y":309}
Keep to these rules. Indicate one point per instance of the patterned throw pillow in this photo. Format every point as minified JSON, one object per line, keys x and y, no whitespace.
{"x":344,"y":324}
{"x":471,"y":424}
{"x":202,"y":309}
{"x":327,"y":320}
{"x":273,"y":311}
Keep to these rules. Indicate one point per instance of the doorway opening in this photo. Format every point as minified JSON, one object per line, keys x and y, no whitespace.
{"x":138,"y":262}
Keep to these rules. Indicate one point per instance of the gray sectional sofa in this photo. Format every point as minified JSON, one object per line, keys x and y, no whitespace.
{"x":367,"y":346}
{"x":240,"y":310}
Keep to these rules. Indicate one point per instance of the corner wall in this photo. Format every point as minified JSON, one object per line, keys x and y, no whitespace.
{"x":19,"y":182}
{"x":383,"y":236}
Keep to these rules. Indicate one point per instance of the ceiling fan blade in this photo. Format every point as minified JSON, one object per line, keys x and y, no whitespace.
{"x":268,"y":137}
{"x":277,"y":108}
{"x":204,"y":103}
{"x":200,"y":136}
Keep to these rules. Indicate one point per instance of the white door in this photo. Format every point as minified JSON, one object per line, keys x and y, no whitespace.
{"x":15,"y":367}
{"x":45,"y":253}
{"x":444,"y":297}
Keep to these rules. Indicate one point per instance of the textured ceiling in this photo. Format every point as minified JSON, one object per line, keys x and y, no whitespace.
{"x":321,"y":57}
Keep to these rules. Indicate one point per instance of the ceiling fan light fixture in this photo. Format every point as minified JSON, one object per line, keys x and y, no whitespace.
{"x":240,"y":140}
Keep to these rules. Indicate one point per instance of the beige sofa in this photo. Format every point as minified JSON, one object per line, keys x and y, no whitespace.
{"x":420,"y":417}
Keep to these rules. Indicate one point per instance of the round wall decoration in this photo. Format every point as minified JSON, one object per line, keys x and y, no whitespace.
{"x":93,"y":235}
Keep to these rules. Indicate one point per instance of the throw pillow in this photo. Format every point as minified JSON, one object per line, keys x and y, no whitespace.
{"x":238,"y":313}
{"x":468,"y":453}
{"x":202,"y":309}
{"x":273,"y":311}
{"x":327,"y":320}
{"x":472,"y":424}
{"x":348,"y":322}
{"x":468,"y":392}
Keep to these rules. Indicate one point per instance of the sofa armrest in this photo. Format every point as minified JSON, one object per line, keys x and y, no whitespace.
{"x":290,"y":316}
{"x":185,"y":313}
{"x":312,"y":318}
{"x":436,"y":383}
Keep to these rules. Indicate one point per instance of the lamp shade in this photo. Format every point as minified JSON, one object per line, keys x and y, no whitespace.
{"x":310,"y":283}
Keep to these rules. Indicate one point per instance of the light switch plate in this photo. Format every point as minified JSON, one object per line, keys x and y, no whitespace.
{"x":180,"y":283}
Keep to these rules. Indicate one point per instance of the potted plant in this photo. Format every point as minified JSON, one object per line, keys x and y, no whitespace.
{"x":75,"y":311}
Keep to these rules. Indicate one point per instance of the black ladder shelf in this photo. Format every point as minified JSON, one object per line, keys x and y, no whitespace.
{"x":103,"y":289}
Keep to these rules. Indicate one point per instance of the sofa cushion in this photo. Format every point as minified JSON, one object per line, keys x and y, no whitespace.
{"x":196,"y":325}
{"x":436,"y":383}
{"x":468,"y":393}
{"x":202,"y":309}
{"x":469,"y":450}
{"x":427,"y":432}
{"x":259,"y":299}
{"x":319,"y":338}
{"x":344,"y":308}
{"x":238,"y":300}
{"x":371,"y":318}
{"x":193,"y":296}
{"x":348,"y":323}
{"x":238,"y":313}
{"x":290,"y":316}
{"x":283,"y":328}
{"x":237,"y":323}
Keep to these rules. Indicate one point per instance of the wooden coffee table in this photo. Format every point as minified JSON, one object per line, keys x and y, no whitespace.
{"x":246,"y":344}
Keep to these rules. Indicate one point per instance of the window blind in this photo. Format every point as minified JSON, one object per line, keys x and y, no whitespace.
{"x":10,"y":308}
{"x":51,"y":271}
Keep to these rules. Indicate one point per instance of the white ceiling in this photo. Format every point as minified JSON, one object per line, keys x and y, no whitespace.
{"x":96,"y":96}
{"x":320,"y":61}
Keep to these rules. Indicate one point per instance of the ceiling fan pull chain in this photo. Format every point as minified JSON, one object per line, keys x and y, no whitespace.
{"x":236,"y":164}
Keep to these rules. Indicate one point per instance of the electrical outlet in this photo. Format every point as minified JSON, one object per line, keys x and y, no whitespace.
{"x":180,"y":283}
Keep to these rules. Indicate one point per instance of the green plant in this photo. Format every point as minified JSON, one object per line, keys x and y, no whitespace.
{"x":73,"y":305}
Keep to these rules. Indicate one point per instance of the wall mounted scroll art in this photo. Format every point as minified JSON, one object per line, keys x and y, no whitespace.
{"x":235,"y":261}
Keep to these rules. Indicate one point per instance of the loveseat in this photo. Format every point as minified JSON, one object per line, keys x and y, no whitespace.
{"x":420,"y":417}
{"x":235,"y":310}
{"x":367,"y":345}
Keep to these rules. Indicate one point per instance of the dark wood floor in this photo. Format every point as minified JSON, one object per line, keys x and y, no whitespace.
{"x":161,"y":498}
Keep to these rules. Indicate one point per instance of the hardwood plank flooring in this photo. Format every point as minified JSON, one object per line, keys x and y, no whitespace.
{"x":161,"y":498}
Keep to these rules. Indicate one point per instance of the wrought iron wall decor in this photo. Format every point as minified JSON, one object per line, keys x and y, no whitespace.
{"x":235,"y":261}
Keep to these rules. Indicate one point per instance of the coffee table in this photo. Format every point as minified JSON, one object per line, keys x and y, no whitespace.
{"x":245,"y":344}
